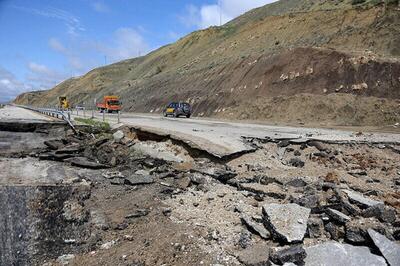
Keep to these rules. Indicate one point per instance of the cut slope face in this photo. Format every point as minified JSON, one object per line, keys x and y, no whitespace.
{"x":284,"y":49}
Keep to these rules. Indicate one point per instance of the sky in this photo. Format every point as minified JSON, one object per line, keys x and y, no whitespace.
{"x":43,"y":42}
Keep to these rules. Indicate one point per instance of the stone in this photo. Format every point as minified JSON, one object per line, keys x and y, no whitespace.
{"x":218,"y":173}
{"x":54,"y":144}
{"x":360,"y":200}
{"x":117,"y":181}
{"x":287,"y":222}
{"x":293,"y":254}
{"x":357,"y":172}
{"x":255,"y":227}
{"x":283,"y":143}
{"x":271,"y":190}
{"x":336,"y":232}
{"x":296,"y":162}
{"x":315,"y":227}
{"x":51,"y":156}
{"x":297,"y":182}
{"x":135,"y":179}
{"x":337,"y":216}
{"x":112,"y":174}
{"x":297,"y":153}
{"x":85,"y":163}
{"x":383,"y":213}
{"x":310,"y":201}
{"x":336,"y":254}
{"x":138,"y":213}
{"x":118,"y":136}
{"x":69,"y":150}
{"x":108,"y":245}
{"x":356,"y":230}
{"x":183,"y":183}
{"x":318,"y":145}
{"x":65,"y":259}
{"x":389,"y":249}
{"x":256,"y":255}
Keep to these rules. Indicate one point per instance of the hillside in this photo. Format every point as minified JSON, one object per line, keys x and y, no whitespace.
{"x":327,"y":54}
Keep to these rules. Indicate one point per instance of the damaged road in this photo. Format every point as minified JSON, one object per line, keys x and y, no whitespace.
{"x":129,"y":197}
{"x":227,"y":139}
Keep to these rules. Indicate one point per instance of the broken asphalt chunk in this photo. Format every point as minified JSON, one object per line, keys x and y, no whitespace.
{"x":389,"y":249}
{"x":336,"y":254}
{"x":138,"y":213}
{"x":255,"y":227}
{"x":256,"y":255}
{"x":337,"y":216}
{"x":286,"y":222}
{"x":85,"y":163}
{"x":294,"y":254}
{"x":360,"y":200}
{"x":135,"y":179}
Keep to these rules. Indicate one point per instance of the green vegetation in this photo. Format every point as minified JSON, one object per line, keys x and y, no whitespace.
{"x":101,"y":126}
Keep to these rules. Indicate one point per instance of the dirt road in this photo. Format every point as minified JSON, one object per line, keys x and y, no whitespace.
{"x":227,"y":138}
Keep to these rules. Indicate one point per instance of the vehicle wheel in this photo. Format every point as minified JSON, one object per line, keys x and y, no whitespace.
{"x":187,"y":116}
{"x":176,"y":115}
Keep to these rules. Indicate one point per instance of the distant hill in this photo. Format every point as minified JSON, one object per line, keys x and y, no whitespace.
{"x":342,"y":60}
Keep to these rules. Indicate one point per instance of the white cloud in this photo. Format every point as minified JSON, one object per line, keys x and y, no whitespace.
{"x":41,"y":77}
{"x":72,"y":23}
{"x":10,"y":86}
{"x":222,"y":11}
{"x":126,"y":43}
{"x":57,"y":46}
{"x":100,"y":7}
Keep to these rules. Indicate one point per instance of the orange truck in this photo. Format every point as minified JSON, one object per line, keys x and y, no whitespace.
{"x":110,"y":104}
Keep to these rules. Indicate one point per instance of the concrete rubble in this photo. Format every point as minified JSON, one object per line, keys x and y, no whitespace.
{"x":287,"y":222}
{"x":145,"y":200}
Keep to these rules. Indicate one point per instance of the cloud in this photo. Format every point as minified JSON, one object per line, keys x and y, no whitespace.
{"x":220,"y":12}
{"x":10,"y":86}
{"x":126,"y":43}
{"x":57,"y":46}
{"x":72,"y":23}
{"x":100,"y":7}
{"x":73,"y":59}
{"x":41,"y":77}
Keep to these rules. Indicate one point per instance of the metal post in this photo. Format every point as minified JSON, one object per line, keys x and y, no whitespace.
{"x":119,"y":113}
{"x":104,"y":115}
{"x":92,"y":113}
{"x":84,"y":112}
{"x":69,"y":116}
{"x":77,"y":112}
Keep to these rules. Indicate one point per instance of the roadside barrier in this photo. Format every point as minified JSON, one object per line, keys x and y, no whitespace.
{"x":60,"y":114}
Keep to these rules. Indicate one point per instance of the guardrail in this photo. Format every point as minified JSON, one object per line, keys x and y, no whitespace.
{"x":60,"y":114}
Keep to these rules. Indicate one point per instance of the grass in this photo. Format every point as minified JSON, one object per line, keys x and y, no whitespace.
{"x":103,"y":126}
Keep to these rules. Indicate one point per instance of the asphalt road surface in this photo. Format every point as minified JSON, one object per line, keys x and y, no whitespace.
{"x":15,"y":113}
{"x":226,"y":138}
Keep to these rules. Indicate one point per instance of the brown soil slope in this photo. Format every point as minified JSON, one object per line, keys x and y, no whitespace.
{"x":292,"y":51}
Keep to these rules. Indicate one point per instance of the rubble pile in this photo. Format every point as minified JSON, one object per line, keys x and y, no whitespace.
{"x":288,"y":203}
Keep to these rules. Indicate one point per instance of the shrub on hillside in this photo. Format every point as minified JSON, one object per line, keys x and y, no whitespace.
{"x":357,"y":2}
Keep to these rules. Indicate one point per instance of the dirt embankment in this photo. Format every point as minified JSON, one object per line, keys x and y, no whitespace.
{"x":245,"y":64}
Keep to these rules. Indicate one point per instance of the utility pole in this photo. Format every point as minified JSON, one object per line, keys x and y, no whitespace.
{"x":220,"y":13}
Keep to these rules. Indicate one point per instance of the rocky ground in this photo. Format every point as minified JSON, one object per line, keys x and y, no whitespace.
{"x":153,"y":202}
